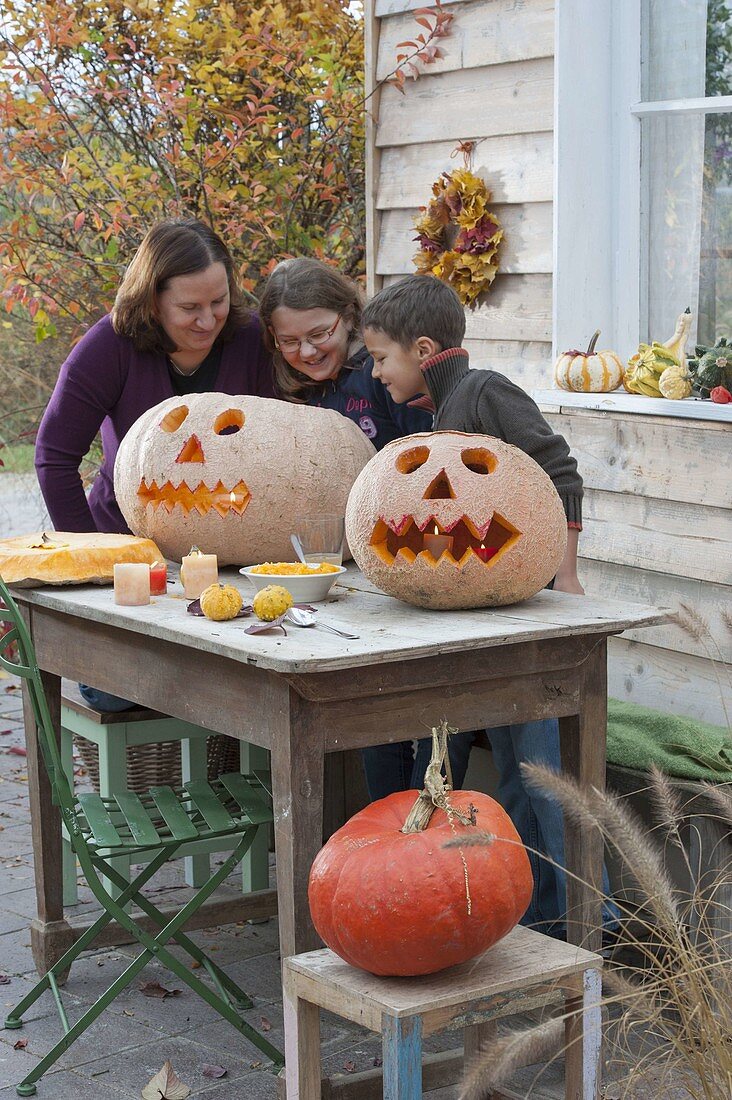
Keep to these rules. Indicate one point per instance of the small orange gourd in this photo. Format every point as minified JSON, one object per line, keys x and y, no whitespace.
{"x":588,"y":371}
{"x":221,"y":602}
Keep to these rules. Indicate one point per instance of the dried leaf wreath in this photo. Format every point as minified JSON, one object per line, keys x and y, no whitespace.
{"x":458,"y":236}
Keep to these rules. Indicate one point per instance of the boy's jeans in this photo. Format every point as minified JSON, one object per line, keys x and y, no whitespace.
{"x":538,"y":820}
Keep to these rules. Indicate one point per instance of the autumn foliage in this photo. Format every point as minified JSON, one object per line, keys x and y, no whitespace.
{"x":117,"y":114}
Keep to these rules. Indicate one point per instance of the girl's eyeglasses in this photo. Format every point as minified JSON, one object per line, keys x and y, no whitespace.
{"x":315,"y":339}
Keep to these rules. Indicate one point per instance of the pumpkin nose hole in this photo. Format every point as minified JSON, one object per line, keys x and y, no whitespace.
{"x":191,"y":451}
{"x":439,"y":488}
{"x":479,"y":460}
{"x":229,"y":422}
{"x":173,"y":420}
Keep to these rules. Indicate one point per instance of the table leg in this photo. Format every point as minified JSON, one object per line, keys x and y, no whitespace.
{"x":583,"y":739}
{"x":51,"y":935}
{"x":297,"y":757}
{"x":402,"y":1057}
{"x":302,"y":1043}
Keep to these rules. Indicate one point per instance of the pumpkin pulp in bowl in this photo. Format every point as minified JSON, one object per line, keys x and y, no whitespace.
{"x":304,"y":585}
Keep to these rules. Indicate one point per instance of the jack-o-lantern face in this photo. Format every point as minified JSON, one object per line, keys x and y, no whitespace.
{"x":228,"y":474}
{"x":449,"y":520}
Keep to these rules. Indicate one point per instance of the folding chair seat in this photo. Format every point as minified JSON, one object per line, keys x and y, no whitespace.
{"x":149,"y":827}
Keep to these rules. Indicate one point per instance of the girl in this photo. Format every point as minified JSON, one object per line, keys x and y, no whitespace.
{"x":311,"y":315}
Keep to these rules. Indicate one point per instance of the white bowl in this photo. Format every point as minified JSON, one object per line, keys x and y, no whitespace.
{"x":304,"y":588}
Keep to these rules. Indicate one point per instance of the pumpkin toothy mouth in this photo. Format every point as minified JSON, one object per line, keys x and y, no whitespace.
{"x":393,"y":540}
{"x":201,"y":499}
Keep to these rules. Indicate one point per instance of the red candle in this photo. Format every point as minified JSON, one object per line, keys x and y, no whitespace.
{"x":158,"y":578}
{"x":485,"y":553}
{"x":437,"y":544}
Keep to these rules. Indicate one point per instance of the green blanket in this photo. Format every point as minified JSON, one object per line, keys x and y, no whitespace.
{"x":638,"y":737}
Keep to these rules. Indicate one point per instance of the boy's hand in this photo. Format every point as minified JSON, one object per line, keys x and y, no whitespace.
{"x":566,"y":579}
{"x":568,"y":583}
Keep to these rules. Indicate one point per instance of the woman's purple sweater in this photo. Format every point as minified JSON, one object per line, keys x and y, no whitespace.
{"x":105,"y":383}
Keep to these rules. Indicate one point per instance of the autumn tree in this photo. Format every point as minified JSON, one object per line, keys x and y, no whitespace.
{"x":115,"y":114}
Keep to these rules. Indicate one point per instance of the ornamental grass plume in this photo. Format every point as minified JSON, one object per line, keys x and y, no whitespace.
{"x":672,"y":1006}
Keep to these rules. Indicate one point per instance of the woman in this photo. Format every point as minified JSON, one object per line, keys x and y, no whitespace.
{"x":312,"y":319}
{"x":178,"y":326}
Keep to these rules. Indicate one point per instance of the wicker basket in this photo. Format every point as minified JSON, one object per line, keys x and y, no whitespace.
{"x":159,"y":764}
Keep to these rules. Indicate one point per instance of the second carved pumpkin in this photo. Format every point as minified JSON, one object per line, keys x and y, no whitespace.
{"x":450,"y":520}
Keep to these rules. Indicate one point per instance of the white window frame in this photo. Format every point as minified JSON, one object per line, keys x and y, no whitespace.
{"x":599,"y":233}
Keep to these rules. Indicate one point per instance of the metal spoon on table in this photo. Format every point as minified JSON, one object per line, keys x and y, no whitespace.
{"x":297,"y":547}
{"x":301,"y":617}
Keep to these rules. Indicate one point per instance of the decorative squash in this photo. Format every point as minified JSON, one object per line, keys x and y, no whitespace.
{"x":588,"y":371}
{"x":645,"y":368}
{"x":676,"y":344}
{"x":220,"y":602}
{"x":674,"y":383}
{"x":228,"y":473}
{"x":271,"y":602}
{"x":448,"y":519}
{"x":712,"y":367}
{"x":387,"y":895}
{"x":70,"y":557}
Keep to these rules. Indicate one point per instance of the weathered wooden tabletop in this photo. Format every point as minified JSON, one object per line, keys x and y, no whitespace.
{"x":388,"y":629}
{"x":310,"y":693}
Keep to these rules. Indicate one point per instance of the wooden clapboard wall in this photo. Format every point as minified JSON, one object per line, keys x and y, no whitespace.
{"x":658,"y":493}
{"x":495,"y":87}
{"x":658,"y":529}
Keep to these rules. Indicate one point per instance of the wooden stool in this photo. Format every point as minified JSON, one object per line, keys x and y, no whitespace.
{"x":469,"y":998}
{"x":113,"y":732}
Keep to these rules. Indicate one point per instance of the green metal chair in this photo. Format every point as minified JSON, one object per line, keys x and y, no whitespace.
{"x":153,"y":826}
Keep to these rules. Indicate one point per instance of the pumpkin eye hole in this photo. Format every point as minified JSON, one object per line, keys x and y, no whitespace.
{"x":229,"y":422}
{"x":173,"y":420}
{"x":411,"y":460}
{"x":479,"y":460}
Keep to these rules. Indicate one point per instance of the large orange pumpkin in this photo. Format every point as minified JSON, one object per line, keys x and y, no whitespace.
{"x":229,"y":474}
{"x":401,"y":904}
{"x":497,"y":508}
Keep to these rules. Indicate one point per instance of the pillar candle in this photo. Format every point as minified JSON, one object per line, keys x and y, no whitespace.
{"x":437,"y":544}
{"x":198,"y":571}
{"x":132,"y":584}
{"x":158,"y":578}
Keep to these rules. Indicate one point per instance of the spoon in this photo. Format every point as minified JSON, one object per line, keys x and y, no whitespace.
{"x":297,"y":547}
{"x":306,"y":618}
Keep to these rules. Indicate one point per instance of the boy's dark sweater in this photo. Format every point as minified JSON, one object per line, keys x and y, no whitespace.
{"x":486,"y":402}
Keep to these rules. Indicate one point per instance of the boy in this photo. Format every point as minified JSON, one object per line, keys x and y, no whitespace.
{"x":414,"y":331}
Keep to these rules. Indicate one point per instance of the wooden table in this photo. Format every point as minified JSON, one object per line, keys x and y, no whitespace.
{"x":313,"y":693}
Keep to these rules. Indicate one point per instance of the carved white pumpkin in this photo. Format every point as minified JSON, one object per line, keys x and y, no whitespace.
{"x":588,"y":371}
{"x":228,"y":474}
{"x":505,"y":523}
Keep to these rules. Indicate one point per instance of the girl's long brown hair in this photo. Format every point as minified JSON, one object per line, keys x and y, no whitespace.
{"x":305,"y":284}
{"x":176,"y":246}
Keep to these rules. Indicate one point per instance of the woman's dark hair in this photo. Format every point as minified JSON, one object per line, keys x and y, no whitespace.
{"x":176,"y":246}
{"x":305,"y":284}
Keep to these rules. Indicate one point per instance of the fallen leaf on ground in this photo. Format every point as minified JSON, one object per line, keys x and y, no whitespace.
{"x":165,"y":1085}
{"x":4,"y":733}
{"x":349,"y":1067}
{"x":5,"y":979}
{"x":12,"y":687}
{"x":155,"y":989}
{"x":214,"y":1071}
{"x":255,"y":1065}
{"x":18,"y":750}
{"x":266,"y":1025}
{"x":21,"y":1044}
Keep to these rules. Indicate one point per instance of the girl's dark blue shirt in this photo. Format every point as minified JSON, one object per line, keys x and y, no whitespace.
{"x":366,"y":401}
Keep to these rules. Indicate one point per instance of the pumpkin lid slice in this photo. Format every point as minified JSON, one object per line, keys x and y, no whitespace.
{"x":70,"y":557}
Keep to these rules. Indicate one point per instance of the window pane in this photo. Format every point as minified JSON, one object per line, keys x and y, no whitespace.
{"x":687,"y":192}
{"x":687,"y":49}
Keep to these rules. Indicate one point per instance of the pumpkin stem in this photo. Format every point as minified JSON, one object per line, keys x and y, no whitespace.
{"x":436,"y":789}
{"x":593,"y":341}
